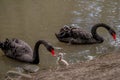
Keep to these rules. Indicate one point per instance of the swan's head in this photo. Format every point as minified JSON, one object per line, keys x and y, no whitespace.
{"x":51,"y":49}
{"x":113,"y":33}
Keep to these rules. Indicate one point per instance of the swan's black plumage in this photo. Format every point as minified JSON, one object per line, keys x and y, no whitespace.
{"x":20,"y":50}
{"x":70,"y":34}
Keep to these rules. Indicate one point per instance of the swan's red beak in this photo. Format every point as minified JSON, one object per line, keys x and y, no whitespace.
{"x":114,"y":36}
{"x":53,"y":53}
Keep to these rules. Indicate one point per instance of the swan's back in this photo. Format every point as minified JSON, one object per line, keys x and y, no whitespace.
{"x":80,"y":33}
{"x":75,"y":35}
{"x":74,"y":32}
{"x":16,"y":48}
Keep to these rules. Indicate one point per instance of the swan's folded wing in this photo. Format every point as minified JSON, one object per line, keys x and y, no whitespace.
{"x":80,"y":33}
{"x":21,"y":48}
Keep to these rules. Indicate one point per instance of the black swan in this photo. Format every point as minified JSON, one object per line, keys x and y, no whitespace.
{"x":73,"y":35}
{"x":20,"y":50}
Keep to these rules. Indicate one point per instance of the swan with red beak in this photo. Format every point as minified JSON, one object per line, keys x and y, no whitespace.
{"x":77,"y":35}
{"x":20,"y":50}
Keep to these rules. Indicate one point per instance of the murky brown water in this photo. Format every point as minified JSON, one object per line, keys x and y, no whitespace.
{"x":31,"y":20}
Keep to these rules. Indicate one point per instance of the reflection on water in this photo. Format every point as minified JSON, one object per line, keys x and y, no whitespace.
{"x":31,"y":20}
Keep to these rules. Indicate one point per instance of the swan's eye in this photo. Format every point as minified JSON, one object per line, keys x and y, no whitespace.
{"x":50,"y":48}
{"x":112,"y":31}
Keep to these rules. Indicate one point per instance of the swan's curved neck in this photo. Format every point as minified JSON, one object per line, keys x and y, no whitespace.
{"x":36,"y":51}
{"x":94,"y":31}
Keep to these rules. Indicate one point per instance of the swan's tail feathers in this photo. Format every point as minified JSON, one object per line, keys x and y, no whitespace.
{"x":1,"y":45}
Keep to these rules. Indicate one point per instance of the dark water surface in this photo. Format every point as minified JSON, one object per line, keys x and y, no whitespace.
{"x":31,"y":20}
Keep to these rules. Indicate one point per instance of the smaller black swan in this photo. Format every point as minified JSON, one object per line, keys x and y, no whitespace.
{"x":20,"y":50}
{"x":73,"y":35}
